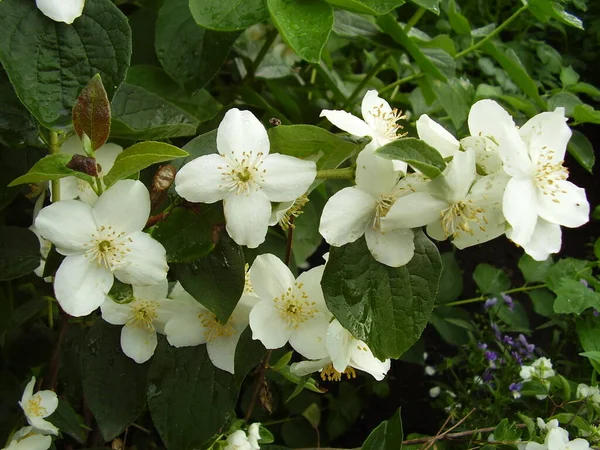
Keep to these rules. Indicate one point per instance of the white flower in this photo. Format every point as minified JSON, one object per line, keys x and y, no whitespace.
{"x":558,"y":439}
{"x":254,"y":435}
{"x":545,"y":426}
{"x":540,"y":370}
{"x":361,"y":209}
{"x":27,"y":438}
{"x":61,"y":10}
{"x":38,"y":406}
{"x":435,"y":391}
{"x":45,"y":246}
{"x":344,"y":354}
{"x":538,"y":198}
{"x":430,"y":371}
{"x":380,"y":123}
{"x":238,"y":441}
{"x":435,"y":135}
{"x":591,"y":393}
{"x":142,"y":318}
{"x":100,"y":243}
{"x":73,"y":187}
{"x":288,"y":310}
{"x":245,"y":176}
{"x":455,"y":204}
{"x":193,"y":324}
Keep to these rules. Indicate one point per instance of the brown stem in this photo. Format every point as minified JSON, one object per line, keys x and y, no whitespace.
{"x":290,"y":238}
{"x":55,"y":360}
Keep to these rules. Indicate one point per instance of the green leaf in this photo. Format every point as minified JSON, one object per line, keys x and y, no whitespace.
{"x":450,"y":323}
{"x":588,"y":330}
{"x":581,"y":149}
{"x":189,"y":398}
{"x":569,"y":268}
{"x":19,"y":252}
{"x":543,"y":302}
{"x":533,"y":387}
{"x":17,"y":126}
{"x":586,"y":114}
{"x":304,"y":25}
{"x":566,"y":100}
{"x":458,"y":22}
{"x":228,"y":15}
{"x":352,"y":25}
{"x":49,"y":62}
{"x":186,"y":235}
{"x":313,"y":415}
{"x":584,"y":88}
{"x":430,"y":5}
{"x":534,"y":271}
{"x":397,"y":33}
{"x":51,"y":167}
{"x":516,"y":318}
{"x":65,"y":419}
{"x":415,"y":153}
{"x":374,"y":7}
{"x":217,"y":279}
{"x":190,"y":54}
{"x":490,"y":280}
{"x":387,"y":436}
{"x":91,"y":113}
{"x":114,"y":385}
{"x":386,"y":307}
{"x":572,"y":297}
{"x":545,"y":10}
{"x":568,"y":76}
{"x":456,"y":97}
{"x":451,"y":281}
{"x":139,"y":156}
{"x":593,"y":355}
{"x":511,"y":63}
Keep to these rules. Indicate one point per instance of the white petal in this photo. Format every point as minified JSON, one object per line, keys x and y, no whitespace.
{"x":41,"y":425}
{"x":69,"y":188}
{"x":339,"y":344}
{"x":372,"y":107}
{"x":309,"y":338}
{"x":515,"y":155}
{"x":138,"y":342}
{"x":375,"y":174}
{"x":270,"y":277}
{"x":267,"y":326}
{"x":568,"y":206}
{"x":201,"y":180}
{"x":347,"y":122}
{"x":61,"y":10}
{"x":487,"y":153}
{"x":436,"y":136}
{"x":241,"y":134}
{"x":311,"y":286}
{"x":285,"y":177}
{"x":362,"y":359}
{"x":579,"y":444}
{"x":278,"y":212}
{"x":547,"y":135}
{"x":221,"y":351}
{"x":146,"y":261}
{"x":152,"y":292}
{"x":81,"y":285}
{"x":457,"y":179}
{"x":546,"y":239}
{"x":179,"y":294}
{"x":303,"y":368}
{"x":68,"y":224}
{"x":412,"y":211}
{"x":106,"y":156}
{"x":115,"y":313}
{"x":185,"y":331}
{"x":86,"y":193}
{"x":247,"y":216}
{"x":346,"y":216}
{"x":31,"y":442}
{"x":393,"y":248}
{"x":47,"y":400}
{"x":28,"y":392}
{"x":519,"y":206}
{"x":125,"y":206}
{"x":488,"y":118}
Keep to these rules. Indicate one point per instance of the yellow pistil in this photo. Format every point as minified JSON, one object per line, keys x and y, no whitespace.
{"x":34,"y":407}
{"x":213,"y":328}
{"x":330,"y":374}
{"x":458,"y":217}
{"x":294,"y":307}
{"x":384,"y":204}
{"x":386,"y":122}
{"x":294,"y":211}
{"x":143,"y":313}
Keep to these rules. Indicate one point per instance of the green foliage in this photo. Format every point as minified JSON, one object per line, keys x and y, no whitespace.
{"x":228,"y":15}
{"x":415,"y":153}
{"x":490,"y":280}
{"x":19,"y":252}
{"x":51,"y":167}
{"x":387,"y":436}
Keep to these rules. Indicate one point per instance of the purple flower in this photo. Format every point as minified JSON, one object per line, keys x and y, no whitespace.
{"x":491,"y":356}
{"x":584,"y":282}
{"x":496,"y":331}
{"x":527,"y":347}
{"x":595,"y":312}
{"x":508,"y":340}
{"x":481,"y":345}
{"x":489,"y":303}
{"x":487,"y":376}
{"x":515,"y":389}
{"x":517,"y":357}
{"x":509,"y":301}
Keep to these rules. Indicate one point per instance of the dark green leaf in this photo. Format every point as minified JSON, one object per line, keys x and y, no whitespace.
{"x":228,"y":15}
{"x":533,"y":387}
{"x":581,"y":149}
{"x":534,"y":271}
{"x":190,"y":54}
{"x":17,"y":126}
{"x":430,"y":5}
{"x":19,"y":252}
{"x":565,"y":100}
{"x":375,"y":7}
{"x":139,"y":156}
{"x":49,"y":62}
{"x":588,"y":331}
{"x":515,"y":317}
{"x":456,"y":97}
{"x":349,"y":24}
{"x":490,"y":280}
{"x":66,"y":420}
{"x":570,"y":268}
{"x":586,"y":114}
{"x":451,"y":281}
{"x":441,"y":59}
{"x":458,"y":22}
{"x":543,"y":302}
{"x":386,"y":307}
{"x":217,"y":279}
{"x":114,"y":385}
{"x":450,"y":324}
{"x":248,"y":353}
{"x":91,"y":113}
{"x":387,"y":436}
{"x":415,"y":153}
{"x":304,"y":25}
{"x":572,"y":297}
{"x":545,"y":10}
{"x":51,"y":167}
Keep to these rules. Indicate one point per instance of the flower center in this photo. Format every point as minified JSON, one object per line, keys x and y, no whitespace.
{"x":384,"y":205}
{"x":108,"y":248}
{"x":458,"y":217}
{"x":386,"y":122}
{"x":144,"y":313}
{"x":242,"y":175}
{"x":34,"y":407}
{"x":548,"y":175}
{"x":213,"y":328}
{"x":293,"y":306}
{"x":330,"y":374}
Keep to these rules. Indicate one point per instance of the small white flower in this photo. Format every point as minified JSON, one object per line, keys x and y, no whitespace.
{"x":100,"y":243}
{"x":192,"y":324}
{"x":290,"y":310}
{"x":245,"y":176}
{"x":361,"y":209}
{"x":238,"y":441}
{"x":142,"y":318}
{"x":73,"y":187}
{"x":254,"y":435}
{"x":591,"y":393}
{"x":45,"y":246}
{"x":27,"y":438}
{"x":558,"y":439}
{"x":435,"y":135}
{"x":61,"y":10}
{"x":38,"y":406}
{"x":435,"y":391}
{"x":546,"y":425}
{"x":430,"y":371}
{"x":540,"y":370}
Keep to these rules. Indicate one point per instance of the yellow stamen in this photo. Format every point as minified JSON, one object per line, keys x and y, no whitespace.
{"x":330,"y":374}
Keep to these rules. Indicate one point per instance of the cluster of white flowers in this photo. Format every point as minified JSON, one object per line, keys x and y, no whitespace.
{"x":240,"y":440}
{"x":37,"y":407}
{"x":540,"y":370}
{"x":500,"y":179}
{"x":589,"y":393}
{"x":556,"y":438}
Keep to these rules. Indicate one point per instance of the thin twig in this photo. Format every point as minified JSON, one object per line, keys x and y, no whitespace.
{"x":55,"y":360}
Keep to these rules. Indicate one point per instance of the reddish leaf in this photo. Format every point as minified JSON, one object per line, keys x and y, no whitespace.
{"x":91,"y":113}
